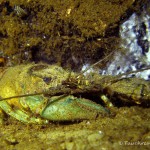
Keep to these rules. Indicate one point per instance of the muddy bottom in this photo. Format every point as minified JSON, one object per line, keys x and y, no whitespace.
{"x":125,"y":128}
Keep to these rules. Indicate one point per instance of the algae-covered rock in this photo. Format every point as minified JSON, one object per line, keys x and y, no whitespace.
{"x":67,"y":32}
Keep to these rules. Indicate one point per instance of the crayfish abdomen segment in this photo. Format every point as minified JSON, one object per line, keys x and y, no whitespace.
{"x":131,"y":91}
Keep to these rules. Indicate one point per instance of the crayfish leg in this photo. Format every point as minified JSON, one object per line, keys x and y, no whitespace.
{"x":106,"y":100}
{"x":20,"y":115}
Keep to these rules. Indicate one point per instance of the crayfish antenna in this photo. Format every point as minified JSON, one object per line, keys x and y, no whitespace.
{"x":93,"y":65}
{"x":132,"y":72}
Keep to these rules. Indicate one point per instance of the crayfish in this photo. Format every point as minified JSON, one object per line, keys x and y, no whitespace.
{"x":39,"y":93}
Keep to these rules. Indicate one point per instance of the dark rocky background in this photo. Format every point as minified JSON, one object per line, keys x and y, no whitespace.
{"x":69,"y":33}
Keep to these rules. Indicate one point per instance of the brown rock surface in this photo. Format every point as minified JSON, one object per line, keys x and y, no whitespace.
{"x":68,"y":32}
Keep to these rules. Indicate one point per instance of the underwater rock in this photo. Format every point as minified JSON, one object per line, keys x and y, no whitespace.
{"x":70,"y":33}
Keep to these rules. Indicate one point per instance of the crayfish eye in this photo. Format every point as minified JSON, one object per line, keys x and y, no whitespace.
{"x":47,"y":80}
